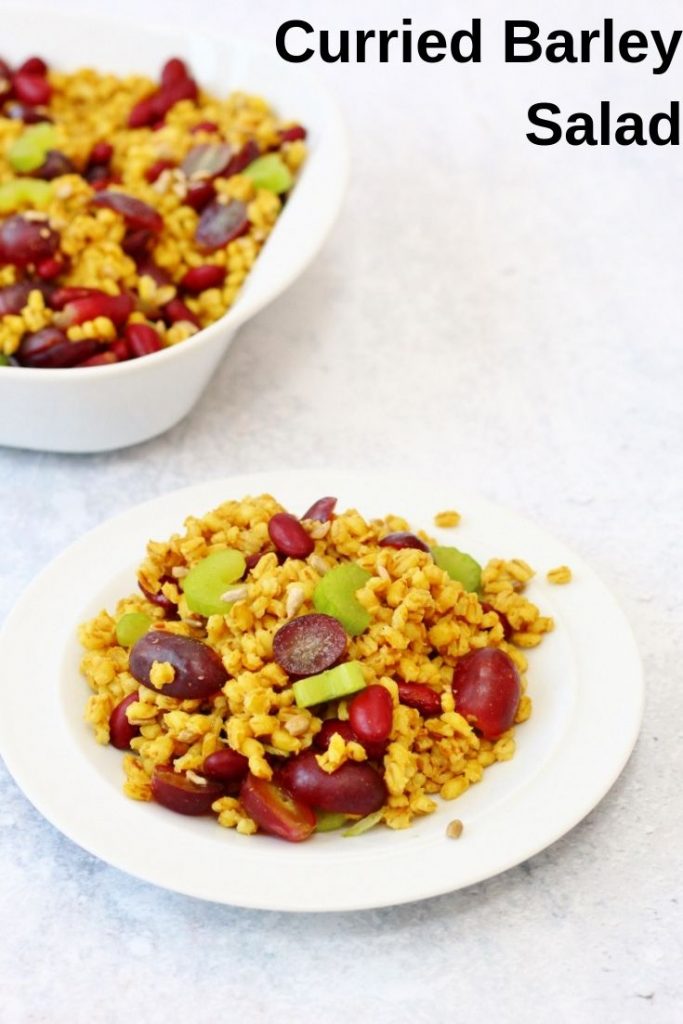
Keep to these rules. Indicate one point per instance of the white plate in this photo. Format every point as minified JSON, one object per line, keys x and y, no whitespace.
{"x":104,"y":407}
{"x":585,"y":681}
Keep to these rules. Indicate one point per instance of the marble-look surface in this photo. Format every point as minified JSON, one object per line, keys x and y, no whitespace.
{"x":484,"y":309}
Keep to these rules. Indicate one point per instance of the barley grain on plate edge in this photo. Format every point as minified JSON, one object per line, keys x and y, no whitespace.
{"x":289,"y":675}
{"x":130,"y":212}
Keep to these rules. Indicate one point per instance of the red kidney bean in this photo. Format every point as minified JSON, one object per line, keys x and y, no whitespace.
{"x":321,"y":510}
{"x":122,"y":352}
{"x":204,"y":126}
{"x":487,"y":690}
{"x":99,"y":176}
{"x":177,"y":793}
{"x":504,"y":621}
{"x":121,"y":732}
{"x":199,"y":194}
{"x":173,"y":92}
{"x":143,"y":113}
{"x":220,"y":223}
{"x":33,"y":66}
{"x":116,"y":307}
{"x":208,"y":160}
{"x":333,"y":725}
{"x":354,"y":788}
{"x":225,"y":765}
{"x":198,"y":279}
{"x":34,"y":90}
{"x":101,"y":359}
{"x":142,"y":340}
{"x":152,"y":110}
{"x":275,"y":811}
{"x":61,"y":296}
{"x":176,"y":311}
{"x":148,"y":268}
{"x":246,"y":155}
{"x":24,"y":241}
{"x":135,"y":213}
{"x":421,"y":697}
{"x":293,"y":134}
{"x":136,"y":243}
{"x":157,"y":168}
{"x":174,"y":70}
{"x":105,"y":183}
{"x":309,"y":644}
{"x":370,"y":714}
{"x":50,"y":268}
{"x":54,"y":166}
{"x":199,"y":671}
{"x":289,"y":536}
{"x":160,"y":599}
{"x":101,"y":153}
{"x":403,"y":539}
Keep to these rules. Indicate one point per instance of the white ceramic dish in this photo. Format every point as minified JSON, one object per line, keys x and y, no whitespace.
{"x":113,"y":406}
{"x":585,"y":681}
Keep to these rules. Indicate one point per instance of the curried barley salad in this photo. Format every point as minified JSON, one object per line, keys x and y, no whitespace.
{"x":292,"y":675}
{"x":131,"y":211}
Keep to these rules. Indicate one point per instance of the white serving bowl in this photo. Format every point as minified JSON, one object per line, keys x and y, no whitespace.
{"x":105,"y":407}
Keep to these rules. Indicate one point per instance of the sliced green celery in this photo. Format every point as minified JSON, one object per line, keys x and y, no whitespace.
{"x":459,"y":566}
{"x":329,"y":821}
{"x":131,"y":627}
{"x":270,"y":172}
{"x":363,"y":825}
{"x":209,"y":579}
{"x":336,"y":682}
{"x":335,"y":594}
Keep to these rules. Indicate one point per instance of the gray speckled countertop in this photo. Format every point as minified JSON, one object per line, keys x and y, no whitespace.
{"x":509,"y":316}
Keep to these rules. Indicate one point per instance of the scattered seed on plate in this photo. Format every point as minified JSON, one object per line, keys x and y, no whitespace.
{"x":447,"y":519}
{"x":562,"y":574}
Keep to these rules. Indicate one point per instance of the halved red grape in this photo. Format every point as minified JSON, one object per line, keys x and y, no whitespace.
{"x":309,"y":644}
{"x":24,"y":241}
{"x":53,"y":166}
{"x":135,"y":212}
{"x":403,"y":539}
{"x":178,"y":793}
{"x":207,"y":160}
{"x":275,"y":811}
{"x":321,"y":510}
{"x":487,"y":690}
{"x":220,"y":223}
{"x":354,"y":788}
{"x":242,"y":158}
{"x":199,"y":671}
{"x":49,"y":348}
{"x":13,"y":297}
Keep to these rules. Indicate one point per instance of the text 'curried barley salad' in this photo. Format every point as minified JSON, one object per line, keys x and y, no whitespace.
{"x":298,"y":675}
{"x":131,"y":211}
